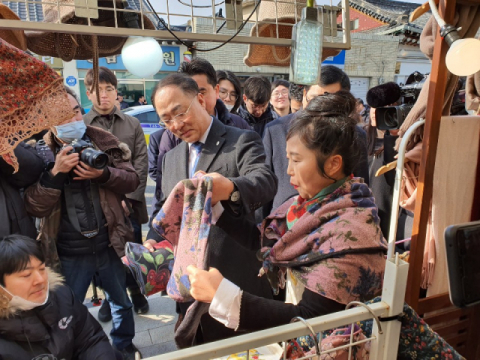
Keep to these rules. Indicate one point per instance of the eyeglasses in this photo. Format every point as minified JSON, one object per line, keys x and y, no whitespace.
{"x":257,"y":106}
{"x":277,"y":94}
{"x":107,"y":90}
{"x":308,"y":100}
{"x":177,"y":118}
{"x":224,"y":94}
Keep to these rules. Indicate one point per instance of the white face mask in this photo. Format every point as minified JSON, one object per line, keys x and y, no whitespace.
{"x":229,"y":107}
{"x":20,"y":303}
{"x":71,"y":131}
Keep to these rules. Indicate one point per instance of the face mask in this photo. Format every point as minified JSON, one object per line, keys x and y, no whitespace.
{"x":18,"y":302}
{"x":71,"y":131}
{"x":229,"y":107}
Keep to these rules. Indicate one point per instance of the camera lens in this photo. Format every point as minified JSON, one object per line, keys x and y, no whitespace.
{"x":94,"y":158}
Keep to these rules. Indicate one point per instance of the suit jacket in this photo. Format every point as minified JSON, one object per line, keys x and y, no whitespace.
{"x":274,"y":141}
{"x":238,"y":155}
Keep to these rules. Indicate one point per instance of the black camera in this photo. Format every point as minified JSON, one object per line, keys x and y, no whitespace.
{"x":392,"y":117}
{"x":94,"y":158}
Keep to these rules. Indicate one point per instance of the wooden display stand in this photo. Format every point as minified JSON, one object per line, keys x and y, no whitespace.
{"x":457,"y":326}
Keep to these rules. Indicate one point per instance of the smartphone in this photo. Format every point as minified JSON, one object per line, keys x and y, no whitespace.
{"x":463,"y":260}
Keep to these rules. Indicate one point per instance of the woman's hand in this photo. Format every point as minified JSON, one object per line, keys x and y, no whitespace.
{"x":149,"y":244}
{"x":204,"y":284}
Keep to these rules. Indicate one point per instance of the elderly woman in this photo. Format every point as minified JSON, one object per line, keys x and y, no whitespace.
{"x":325,"y":245}
{"x":39,"y":316}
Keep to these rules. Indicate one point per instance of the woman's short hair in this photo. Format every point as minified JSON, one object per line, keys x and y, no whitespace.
{"x":327,"y":127}
{"x":15,"y":254}
{"x":228,"y":75}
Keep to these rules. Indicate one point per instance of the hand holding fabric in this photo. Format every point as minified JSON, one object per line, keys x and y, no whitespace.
{"x":222,"y":187}
{"x":204,"y":284}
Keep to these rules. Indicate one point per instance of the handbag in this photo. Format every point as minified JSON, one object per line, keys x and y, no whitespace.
{"x":151,"y":270}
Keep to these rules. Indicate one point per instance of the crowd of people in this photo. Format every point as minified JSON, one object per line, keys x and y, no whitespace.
{"x":290,"y":200}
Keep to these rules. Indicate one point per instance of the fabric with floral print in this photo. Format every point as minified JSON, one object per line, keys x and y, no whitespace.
{"x":417,"y":340}
{"x":32,"y":99}
{"x":151,"y":270}
{"x":335,"y":249}
{"x":185,"y":221}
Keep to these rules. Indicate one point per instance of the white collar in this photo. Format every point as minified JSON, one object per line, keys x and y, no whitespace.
{"x":203,"y":139}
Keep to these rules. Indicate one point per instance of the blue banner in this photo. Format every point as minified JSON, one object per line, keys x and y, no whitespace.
{"x":338,"y":60}
{"x":171,"y":60}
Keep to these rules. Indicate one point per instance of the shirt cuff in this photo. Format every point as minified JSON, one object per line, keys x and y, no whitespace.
{"x":217,"y":211}
{"x":225,"y":306}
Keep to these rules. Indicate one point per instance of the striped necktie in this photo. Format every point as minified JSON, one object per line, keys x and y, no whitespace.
{"x":197,"y":148}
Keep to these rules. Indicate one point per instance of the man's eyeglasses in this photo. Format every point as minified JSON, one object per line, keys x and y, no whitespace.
{"x":224,"y":94}
{"x":179,"y":118}
{"x":308,"y":100}
{"x":257,"y":106}
{"x":107,"y":90}
{"x":277,"y":94}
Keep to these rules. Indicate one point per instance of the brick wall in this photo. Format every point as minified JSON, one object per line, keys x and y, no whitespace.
{"x":372,"y":56}
{"x":365,"y":22}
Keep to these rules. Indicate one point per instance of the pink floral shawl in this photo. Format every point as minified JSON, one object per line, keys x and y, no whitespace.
{"x":335,"y":249}
{"x":184,"y":221}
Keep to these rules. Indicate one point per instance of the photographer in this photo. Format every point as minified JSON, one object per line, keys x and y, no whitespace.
{"x":79,"y":200}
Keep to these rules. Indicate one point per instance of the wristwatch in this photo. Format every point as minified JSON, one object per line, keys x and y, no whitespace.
{"x":235,"y":195}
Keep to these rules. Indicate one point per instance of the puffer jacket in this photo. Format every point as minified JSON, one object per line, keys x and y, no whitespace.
{"x":61,"y":329}
{"x":45,"y":202}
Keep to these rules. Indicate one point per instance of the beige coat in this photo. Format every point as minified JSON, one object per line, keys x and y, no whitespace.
{"x":129,"y":131}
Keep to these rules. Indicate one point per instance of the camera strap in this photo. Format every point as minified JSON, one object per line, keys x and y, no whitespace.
{"x":72,"y":214}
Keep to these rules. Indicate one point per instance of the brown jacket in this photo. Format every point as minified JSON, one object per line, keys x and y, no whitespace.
{"x":45,"y":203}
{"x":129,"y":131}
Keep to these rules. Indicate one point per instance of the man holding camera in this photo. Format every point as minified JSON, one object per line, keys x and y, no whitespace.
{"x":83,"y":224}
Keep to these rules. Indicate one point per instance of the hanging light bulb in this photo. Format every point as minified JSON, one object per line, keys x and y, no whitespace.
{"x":463,"y":57}
{"x":306,"y":55}
{"x":142,"y":56}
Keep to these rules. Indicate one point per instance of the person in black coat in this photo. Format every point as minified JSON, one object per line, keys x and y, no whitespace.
{"x":13,"y":216}
{"x":332,"y":80}
{"x":39,"y":316}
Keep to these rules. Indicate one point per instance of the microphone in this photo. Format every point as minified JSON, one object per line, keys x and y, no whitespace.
{"x":383,"y":95}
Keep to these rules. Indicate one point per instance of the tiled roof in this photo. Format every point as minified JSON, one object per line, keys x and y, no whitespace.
{"x":393,"y":13}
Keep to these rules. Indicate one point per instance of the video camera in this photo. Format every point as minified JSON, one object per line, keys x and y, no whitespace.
{"x":94,"y":158}
{"x":392,"y":117}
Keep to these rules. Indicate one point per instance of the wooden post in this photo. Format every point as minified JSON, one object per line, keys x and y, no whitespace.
{"x":438,"y":81}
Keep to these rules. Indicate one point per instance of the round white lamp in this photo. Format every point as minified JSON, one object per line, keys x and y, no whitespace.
{"x":142,"y":56}
{"x":463,"y":57}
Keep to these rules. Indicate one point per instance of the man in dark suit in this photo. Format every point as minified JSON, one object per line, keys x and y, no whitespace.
{"x":242,"y":182}
{"x":332,"y":79}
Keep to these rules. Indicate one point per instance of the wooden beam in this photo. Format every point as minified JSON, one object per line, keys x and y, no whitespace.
{"x":438,"y":81}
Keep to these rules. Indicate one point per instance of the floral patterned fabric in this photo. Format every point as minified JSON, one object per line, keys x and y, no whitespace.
{"x":184,"y":221}
{"x":32,"y":98}
{"x":334,"y":249}
{"x":151,"y":270}
{"x":417,"y":340}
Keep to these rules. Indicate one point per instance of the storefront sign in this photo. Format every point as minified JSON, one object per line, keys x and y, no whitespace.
{"x":51,"y":61}
{"x":171,"y":60}
{"x":338,"y":61}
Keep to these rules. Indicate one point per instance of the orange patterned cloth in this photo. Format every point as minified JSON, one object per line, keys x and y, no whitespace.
{"x":32,"y":98}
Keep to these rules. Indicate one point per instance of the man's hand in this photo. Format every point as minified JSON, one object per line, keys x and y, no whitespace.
{"x":204,"y":283}
{"x":149,"y":244}
{"x":65,"y":162}
{"x":222,"y":187}
{"x":86,"y":172}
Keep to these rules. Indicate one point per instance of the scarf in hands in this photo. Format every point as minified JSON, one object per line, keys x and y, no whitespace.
{"x":335,"y":248}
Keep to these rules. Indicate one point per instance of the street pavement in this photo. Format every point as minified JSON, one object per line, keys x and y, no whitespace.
{"x":154,"y":330}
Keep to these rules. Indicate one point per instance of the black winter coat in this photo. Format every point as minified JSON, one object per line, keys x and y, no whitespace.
{"x":13,"y":216}
{"x":61,"y":329}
